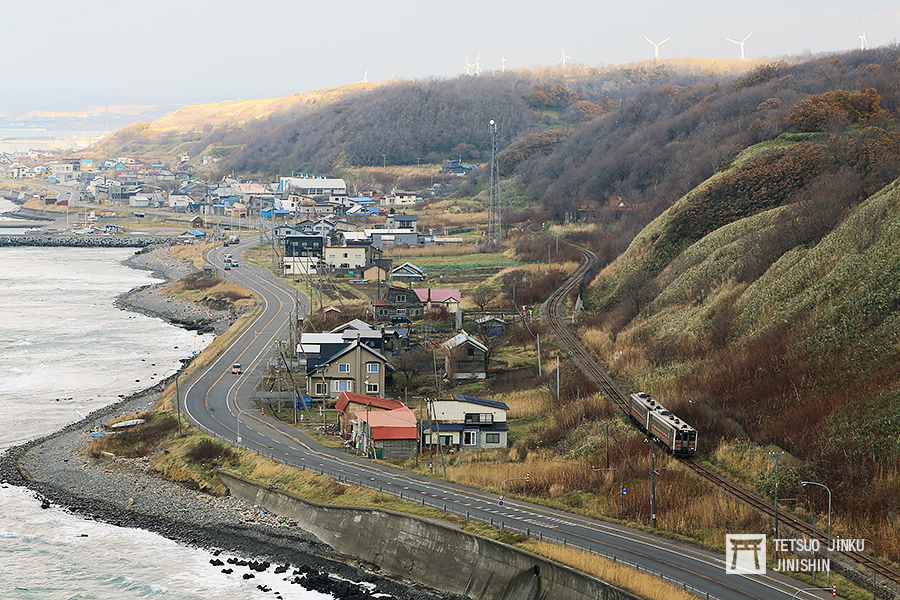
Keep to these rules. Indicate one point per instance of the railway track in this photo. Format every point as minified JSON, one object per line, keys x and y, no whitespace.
{"x":551,"y":312}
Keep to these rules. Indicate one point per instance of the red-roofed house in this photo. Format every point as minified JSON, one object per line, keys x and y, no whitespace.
{"x":434,"y":297}
{"x":386,"y":434}
{"x":351,"y":402}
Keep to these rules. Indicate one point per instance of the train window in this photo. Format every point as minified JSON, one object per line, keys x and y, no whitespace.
{"x":677,"y":435}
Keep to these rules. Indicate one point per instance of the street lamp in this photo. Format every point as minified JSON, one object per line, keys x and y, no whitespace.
{"x":828,"y":573}
{"x":621,"y":490}
{"x":240,"y":412}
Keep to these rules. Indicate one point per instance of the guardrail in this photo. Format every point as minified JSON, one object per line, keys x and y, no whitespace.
{"x":502,"y":525}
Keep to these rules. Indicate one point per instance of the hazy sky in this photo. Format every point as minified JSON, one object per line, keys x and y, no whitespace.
{"x":68,"y":55}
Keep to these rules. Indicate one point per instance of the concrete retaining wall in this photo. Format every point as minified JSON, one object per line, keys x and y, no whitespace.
{"x":430,"y":552}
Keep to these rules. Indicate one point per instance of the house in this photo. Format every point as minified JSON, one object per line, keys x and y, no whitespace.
{"x":410,"y":222}
{"x":386,"y":434}
{"x":380,"y":237}
{"x":400,"y":198}
{"x":197,"y":222}
{"x":465,"y":358}
{"x":407,"y":272}
{"x":433,"y":298}
{"x":490,"y":325}
{"x":379,"y":270}
{"x":384,"y":339}
{"x":302,"y":253}
{"x":467,"y":423}
{"x":314,"y":185}
{"x":399,"y":301}
{"x":351,"y":258}
{"x":349,"y":403}
{"x":355,"y":367}
{"x":456,"y":167}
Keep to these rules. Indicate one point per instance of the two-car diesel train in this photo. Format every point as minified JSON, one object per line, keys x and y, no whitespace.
{"x":679,"y":437}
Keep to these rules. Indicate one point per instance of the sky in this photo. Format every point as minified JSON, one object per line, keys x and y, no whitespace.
{"x":68,"y":56}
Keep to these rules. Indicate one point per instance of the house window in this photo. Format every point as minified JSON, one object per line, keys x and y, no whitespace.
{"x":371,"y":388}
{"x":342,"y":385}
{"x":401,"y":297}
{"x":445,"y":440}
{"x":479,"y":418}
{"x":321,"y":388}
{"x":492,"y":438}
{"x":470,"y":351}
{"x":344,"y":368}
{"x":371,"y":367}
{"x":470,"y":438}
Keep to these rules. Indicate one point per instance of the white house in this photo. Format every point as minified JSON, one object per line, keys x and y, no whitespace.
{"x":467,"y":422}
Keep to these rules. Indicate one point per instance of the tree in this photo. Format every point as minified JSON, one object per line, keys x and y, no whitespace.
{"x":483,"y":295}
{"x":413,"y":363}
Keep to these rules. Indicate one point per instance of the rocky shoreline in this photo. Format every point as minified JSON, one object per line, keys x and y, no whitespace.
{"x":151,"y":300}
{"x":123,"y":492}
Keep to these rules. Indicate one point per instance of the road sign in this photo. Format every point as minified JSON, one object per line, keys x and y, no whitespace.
{"x":500,"y":502}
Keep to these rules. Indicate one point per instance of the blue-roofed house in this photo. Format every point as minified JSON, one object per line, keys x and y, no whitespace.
{"x":467,"y":423}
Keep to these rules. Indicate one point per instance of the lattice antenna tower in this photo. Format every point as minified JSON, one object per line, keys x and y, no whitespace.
{"x":495,"y":233}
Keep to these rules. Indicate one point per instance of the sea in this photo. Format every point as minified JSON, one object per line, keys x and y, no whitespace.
{"x":23,"y":139}
{"x":66,"y":350}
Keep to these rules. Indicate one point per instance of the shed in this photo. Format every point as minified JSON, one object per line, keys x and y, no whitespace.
{"x":386,"y":434}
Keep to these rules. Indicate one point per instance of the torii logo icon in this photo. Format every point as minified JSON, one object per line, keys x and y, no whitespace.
{"x":745,"y":554}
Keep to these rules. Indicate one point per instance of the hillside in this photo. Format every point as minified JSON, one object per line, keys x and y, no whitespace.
{"x":763,"y":305}
{"x":397,"y":123}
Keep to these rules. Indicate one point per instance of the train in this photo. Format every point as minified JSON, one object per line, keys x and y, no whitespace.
{"x":652,"y":417}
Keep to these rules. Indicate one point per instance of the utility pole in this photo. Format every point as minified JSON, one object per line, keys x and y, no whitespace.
{"x":177,"y":406}
{"x":652,"y":487}
{"x":557,"y":378}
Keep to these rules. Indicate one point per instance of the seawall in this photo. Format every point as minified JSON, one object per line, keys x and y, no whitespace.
{"x":85,"y":241}
{"x":429,"y":551}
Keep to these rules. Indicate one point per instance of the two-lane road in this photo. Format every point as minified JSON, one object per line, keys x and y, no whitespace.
{"x":217,"y":399}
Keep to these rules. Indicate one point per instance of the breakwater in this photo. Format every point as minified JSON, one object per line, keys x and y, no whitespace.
{"x":429,"y":551}
{"x":84,"y":241}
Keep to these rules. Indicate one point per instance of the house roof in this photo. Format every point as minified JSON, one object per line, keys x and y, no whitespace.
{"x":351,"y":397}
{"x":480,"y":401}
{"x":463,"y":338}
{"x":437,"y":294}
{"x":488,"y":319}
{"x":364,"y":348}
{"x":410,"y":268}
{"x":356,"y":324}
{"x":395,"y":424}
{"x":405,"y":218}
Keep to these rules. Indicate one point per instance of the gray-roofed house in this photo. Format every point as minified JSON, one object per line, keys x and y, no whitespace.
{"x":465,"y":358}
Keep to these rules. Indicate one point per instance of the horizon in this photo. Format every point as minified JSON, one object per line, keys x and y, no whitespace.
{"x":119,"y":57}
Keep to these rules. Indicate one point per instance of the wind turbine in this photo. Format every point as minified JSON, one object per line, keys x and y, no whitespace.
{"x":477,"y":64}
{"x":563,"y":58}
{"x":465,"y":69}
{"x":656,"y":46}
{"x":863,"y":42}
{"x":365,"y":78}
{"x":503,"y":63}
{"x":741,"y":43}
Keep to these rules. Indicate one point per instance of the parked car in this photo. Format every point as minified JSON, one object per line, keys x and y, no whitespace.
{"x":400,"y":320}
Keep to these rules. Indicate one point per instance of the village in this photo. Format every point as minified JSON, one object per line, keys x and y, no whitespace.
{"x":344,"y":252}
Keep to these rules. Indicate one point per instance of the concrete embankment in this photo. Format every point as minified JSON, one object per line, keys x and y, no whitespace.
{"x":430,"y":552}
{"x":84,"y":241}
